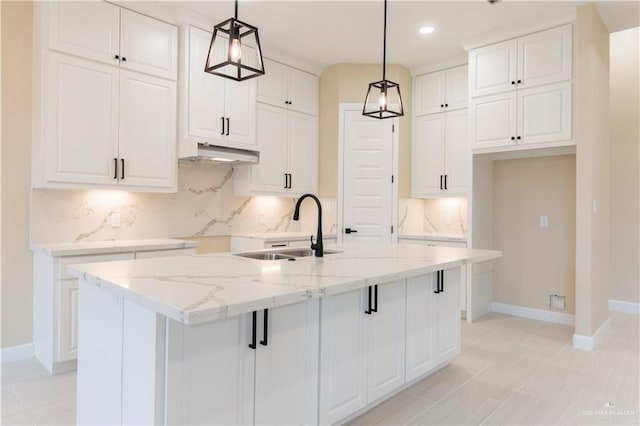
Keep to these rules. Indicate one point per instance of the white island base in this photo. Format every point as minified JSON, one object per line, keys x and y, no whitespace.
{"x":317,"y":362}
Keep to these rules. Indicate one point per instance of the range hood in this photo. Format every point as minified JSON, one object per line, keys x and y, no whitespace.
{"x":223,"y":154}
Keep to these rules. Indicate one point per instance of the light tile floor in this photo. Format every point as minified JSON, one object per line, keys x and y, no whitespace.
{"x":512,"y":371}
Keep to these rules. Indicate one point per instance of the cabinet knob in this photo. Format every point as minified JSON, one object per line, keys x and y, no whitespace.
{"x":117,"y":56}
{"x":519,"y":138}
{"x":513,"y":82}
{"x":446,"y":105}
{"x":441,"y":105}
{"x":519,"y":81}
{"x":124,"y":59}
{"x":513,"y":138}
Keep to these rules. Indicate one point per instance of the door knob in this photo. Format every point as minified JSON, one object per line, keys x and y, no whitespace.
{"x":349,"y":230}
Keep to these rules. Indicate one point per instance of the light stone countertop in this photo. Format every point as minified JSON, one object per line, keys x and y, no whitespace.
{"x":202,"y":288}
{"x":115,"y":246}
{"x":434,"y":236}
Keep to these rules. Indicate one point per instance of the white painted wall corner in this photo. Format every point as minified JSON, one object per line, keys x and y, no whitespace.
{"x":16,"y":353}
{"x":532,"y":313}
{"x":621,"y":306}
{"x":587,"y":343}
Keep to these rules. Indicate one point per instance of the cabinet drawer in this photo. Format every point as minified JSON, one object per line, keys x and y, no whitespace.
{"x":165,"y":253}
{"x":70,"y":260}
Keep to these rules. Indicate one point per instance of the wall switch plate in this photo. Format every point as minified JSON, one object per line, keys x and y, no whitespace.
{"x":261,"y":218}
{"x":115,"y":220}
{"x":447,"y":219}
{"x":544,"y":221}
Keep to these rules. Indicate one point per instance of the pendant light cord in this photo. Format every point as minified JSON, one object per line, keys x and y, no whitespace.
{"x":384,"y":44}
{"x":236,"y":15}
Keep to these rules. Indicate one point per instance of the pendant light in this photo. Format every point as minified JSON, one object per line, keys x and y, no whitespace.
{"x":383,"y":97}
{"x":235,"y":50}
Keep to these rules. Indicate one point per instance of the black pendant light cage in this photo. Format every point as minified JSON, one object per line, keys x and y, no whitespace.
{"x":383,"y":98}
{"x":235,"y":51}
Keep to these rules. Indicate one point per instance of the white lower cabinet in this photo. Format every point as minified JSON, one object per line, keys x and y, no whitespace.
{"x":433,"y":321}
{"x":362,"y":351}
{"x":219,"y":379}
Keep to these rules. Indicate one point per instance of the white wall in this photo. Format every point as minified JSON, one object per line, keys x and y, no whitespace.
{"x":624,"y":95}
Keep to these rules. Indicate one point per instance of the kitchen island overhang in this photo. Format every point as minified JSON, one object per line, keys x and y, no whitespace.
{"x":148,"y":322}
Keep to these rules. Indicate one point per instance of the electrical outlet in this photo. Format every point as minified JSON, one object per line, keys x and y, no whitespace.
{"x":544,"y":221}
{"x":447,"y":219}
{"x":115,"y":220}
{"x":557,"y":302}
{"x":261,"y":218}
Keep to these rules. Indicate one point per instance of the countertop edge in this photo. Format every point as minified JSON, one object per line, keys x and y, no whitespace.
{"x":124,"y":247}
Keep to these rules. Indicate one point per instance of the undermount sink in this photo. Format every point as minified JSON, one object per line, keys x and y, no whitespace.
{"x":281,"y":254}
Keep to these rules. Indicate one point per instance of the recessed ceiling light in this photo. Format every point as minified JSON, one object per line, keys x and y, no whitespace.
{"x":426,"y":30}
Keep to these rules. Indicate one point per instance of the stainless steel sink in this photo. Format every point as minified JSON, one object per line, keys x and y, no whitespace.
{"x":281,"y":254}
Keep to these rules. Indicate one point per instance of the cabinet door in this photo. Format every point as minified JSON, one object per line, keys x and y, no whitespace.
{"x":302,"y":91}
{"x":420,"y":336}
{"x":386,"y":340}
{"x":545,"y":57}
{"x":210,"y":373}
{"x":268,"y":176}
{"x":492,"y":69}
{"x":544,"y":113}
{"x":457,"y":88}
{"x":286,"y":380}
{"x":430,"y":93}
{"x":272,"y":86}
{"x":82,"y":120}
{"x":303,"y":152}
{"x":446,"y":311}
{"x":240,"y":112}
{"x":428,"y":154}
{"x":147,"y":131}
{"x":68,"y":324}
{"x":89,"y":29}
{"x":99,"y":387}
{"x":493,"y":120}
{"x":148,"y":45}
{"x":343,"y":369}
{"x":205,"y":91}
{"x":457,"y":152}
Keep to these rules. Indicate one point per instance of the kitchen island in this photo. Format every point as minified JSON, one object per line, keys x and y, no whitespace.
{"x":222,"y":339}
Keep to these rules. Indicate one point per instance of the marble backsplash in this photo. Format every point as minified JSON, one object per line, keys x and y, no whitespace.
{"x":205,"y":205}
{"x":437,"y":215}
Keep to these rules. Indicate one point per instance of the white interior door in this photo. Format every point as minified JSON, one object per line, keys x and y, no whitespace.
{"x":367,"y":190}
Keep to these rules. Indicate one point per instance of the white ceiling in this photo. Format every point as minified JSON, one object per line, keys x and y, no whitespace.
{"x":322,"y":33}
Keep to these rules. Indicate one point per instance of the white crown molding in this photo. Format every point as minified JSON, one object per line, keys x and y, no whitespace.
{"x":16,"y":353}
{"x":451,"y":62}
{"x":514,"y":32}
{"x":532,"y":313}
{"x":587,"y":343}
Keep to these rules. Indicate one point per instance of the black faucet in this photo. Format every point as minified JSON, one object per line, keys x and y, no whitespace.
{"x":317,"y":247}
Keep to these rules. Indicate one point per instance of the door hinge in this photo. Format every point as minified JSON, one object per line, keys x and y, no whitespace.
{"x":393,"y":128}
{"x":391,"y":178}
{"x":392,"y":229}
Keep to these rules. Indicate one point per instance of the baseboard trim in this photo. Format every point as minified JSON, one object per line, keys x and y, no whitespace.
{"x":587,"y":343}
{"x":622,"y":306}
{"x":532,"y":313}
{"x":15,"y":353}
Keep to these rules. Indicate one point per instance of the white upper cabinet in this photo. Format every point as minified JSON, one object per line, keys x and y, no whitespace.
{"x":94,"y":120}
{"x":303,"y":152}
{"x":87,"y":29}
{"x":441,"y":91}
{"x":287,"y":87}
{"x":492,"y":69}
{"x":535,"y":59}
{"x":541,"y":114}
{"x":107,"y":33}
{"x":545,"y":57}
{"x":214,"y":110}
{"x":147,"y":152}
{"x":440,"y":154}
{"x":148,"y":45}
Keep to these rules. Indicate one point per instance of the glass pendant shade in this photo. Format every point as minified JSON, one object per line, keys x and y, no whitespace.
{"x":383,"y":100}
{"x":383,"y":97}
{"x":235,"y":51}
